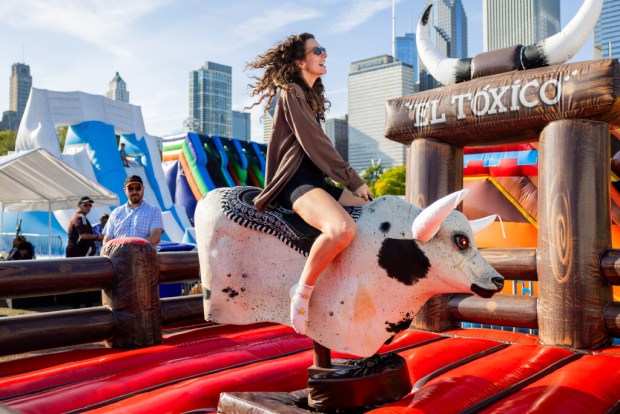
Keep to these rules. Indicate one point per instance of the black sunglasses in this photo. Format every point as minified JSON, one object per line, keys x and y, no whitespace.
{"x":317,"y":51}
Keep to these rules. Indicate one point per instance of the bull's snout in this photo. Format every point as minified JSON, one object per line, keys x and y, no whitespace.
{"x":499,"y":282}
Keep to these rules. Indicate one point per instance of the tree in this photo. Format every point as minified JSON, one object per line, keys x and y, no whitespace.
{"x":61,"y":131}
{"x":372,"y":173}
{"x":391,"y":182}
{"x":7,"y":141}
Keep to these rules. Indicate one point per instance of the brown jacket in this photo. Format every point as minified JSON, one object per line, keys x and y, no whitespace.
{"x":295,"y":131}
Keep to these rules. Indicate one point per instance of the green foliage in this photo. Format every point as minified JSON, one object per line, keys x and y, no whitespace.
{"x":391,"y":182}
{"x":7,"y":141}
{"x":332,"y":182}
{"x":371,"y":174}
{"x":61,"y":131}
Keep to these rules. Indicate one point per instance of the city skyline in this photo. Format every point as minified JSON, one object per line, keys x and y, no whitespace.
{"x":72,"y":45}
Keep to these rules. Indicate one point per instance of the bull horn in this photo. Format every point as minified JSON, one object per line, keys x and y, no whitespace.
{"x":427,"y":223}
{"x":554,"y":50}
{"x":562,"y":46}
{"x":445,"y":70}
{"x":482,"y":223}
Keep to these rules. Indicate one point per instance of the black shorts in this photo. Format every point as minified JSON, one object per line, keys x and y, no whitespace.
{"x":308,"y":177}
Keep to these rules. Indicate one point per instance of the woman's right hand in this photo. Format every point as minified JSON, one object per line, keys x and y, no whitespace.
{"x":363,"y":191}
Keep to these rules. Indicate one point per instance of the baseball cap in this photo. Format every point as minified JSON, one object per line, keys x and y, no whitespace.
{"x":85,"y":199}
{"x":133,"y":179}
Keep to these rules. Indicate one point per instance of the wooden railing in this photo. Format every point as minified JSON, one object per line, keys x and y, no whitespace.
{"x":73,"y":327}
{"x":32,"y":278}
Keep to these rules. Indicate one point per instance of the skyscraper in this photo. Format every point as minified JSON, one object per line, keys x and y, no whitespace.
{"x":371,"y":83}
{"x":117,"y":89}
{"x":508,"y":23}
{"x":19,"y":90}
{"x":407,"y":51}
{"x":449,"y":33}
{"x":241,"y":125}
{"x":210,"y":98}
{"x":337,"y":129}
{"x":607,"y":31}
{"x":267,"y":121}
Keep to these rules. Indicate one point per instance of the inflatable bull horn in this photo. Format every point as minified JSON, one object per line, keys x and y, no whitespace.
{"x":427,"y":223}
{"x":554,"y":50}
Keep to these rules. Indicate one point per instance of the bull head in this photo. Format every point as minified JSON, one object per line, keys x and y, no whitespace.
{"x":426,"y":225}
{"x":554,"y":50}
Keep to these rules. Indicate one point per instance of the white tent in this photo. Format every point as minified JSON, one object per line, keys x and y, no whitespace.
{"x":35,"y":180}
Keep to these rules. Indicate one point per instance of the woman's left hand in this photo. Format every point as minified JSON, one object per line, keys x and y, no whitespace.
{"x":363,"y":191}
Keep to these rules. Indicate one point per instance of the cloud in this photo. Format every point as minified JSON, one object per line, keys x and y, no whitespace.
{"x":102,"y":23}
{"x":358,"y":12}
{"x":263,"y":26}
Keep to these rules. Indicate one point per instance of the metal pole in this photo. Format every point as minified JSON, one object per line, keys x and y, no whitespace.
{"x":1,"y":227}
{"x":393,"y":30}
{"x":49,"y":229}
{"x":321,"y":356}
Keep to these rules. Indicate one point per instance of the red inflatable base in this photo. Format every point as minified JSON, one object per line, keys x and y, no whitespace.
{"x":465,"y":370}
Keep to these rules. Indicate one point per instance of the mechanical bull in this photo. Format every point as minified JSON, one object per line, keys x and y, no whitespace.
{"x":401,"y":256}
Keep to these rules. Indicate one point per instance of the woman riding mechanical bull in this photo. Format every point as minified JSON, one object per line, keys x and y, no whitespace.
{"x":300,"y":156}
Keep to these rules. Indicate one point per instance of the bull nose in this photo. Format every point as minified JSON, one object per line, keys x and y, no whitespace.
{"x":499,"y":282}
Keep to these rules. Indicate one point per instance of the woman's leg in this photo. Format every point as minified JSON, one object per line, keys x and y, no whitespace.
{"x":320,"y":210}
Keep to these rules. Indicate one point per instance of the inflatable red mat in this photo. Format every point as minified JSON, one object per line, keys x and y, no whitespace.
{"x":474,"y":383}
{"x":589,"y":385}
{"x":72,"y":386}
{"x":288,"y":373}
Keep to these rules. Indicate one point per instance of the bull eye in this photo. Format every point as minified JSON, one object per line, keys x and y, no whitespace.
{"x":461,"y":241}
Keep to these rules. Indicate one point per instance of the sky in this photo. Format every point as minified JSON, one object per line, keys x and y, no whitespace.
{"x":79,"y":45}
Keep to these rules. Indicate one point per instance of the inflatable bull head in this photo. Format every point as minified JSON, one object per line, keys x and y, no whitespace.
{"x":554,"y":50}
{"x":485,"y":281}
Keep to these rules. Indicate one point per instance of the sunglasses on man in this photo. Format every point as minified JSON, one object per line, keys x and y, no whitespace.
{"x":132,"y":188}
{"x":317,"y":51}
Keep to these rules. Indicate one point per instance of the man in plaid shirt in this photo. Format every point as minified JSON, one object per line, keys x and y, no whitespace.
{"x":136,"y":218}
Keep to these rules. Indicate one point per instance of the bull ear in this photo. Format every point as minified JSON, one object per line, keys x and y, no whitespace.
{"x":427,"y":223}
{"x":482,"y":223}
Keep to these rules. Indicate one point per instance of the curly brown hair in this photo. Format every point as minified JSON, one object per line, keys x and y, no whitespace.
{"x":280,"y":64}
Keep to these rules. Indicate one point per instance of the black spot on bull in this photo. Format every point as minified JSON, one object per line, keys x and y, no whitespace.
{"x":385,"y":226}
{"x":403,"y":260}
{"x":398,"y":326}
{"x":231,"y":292}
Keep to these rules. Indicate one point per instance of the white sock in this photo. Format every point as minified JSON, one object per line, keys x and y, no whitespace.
{"x":299,"y":307}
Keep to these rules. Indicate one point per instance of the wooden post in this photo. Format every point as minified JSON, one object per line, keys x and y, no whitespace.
{"x":435,"y":170}
{"x":574,"y":231}
{"x":134,"y":297}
